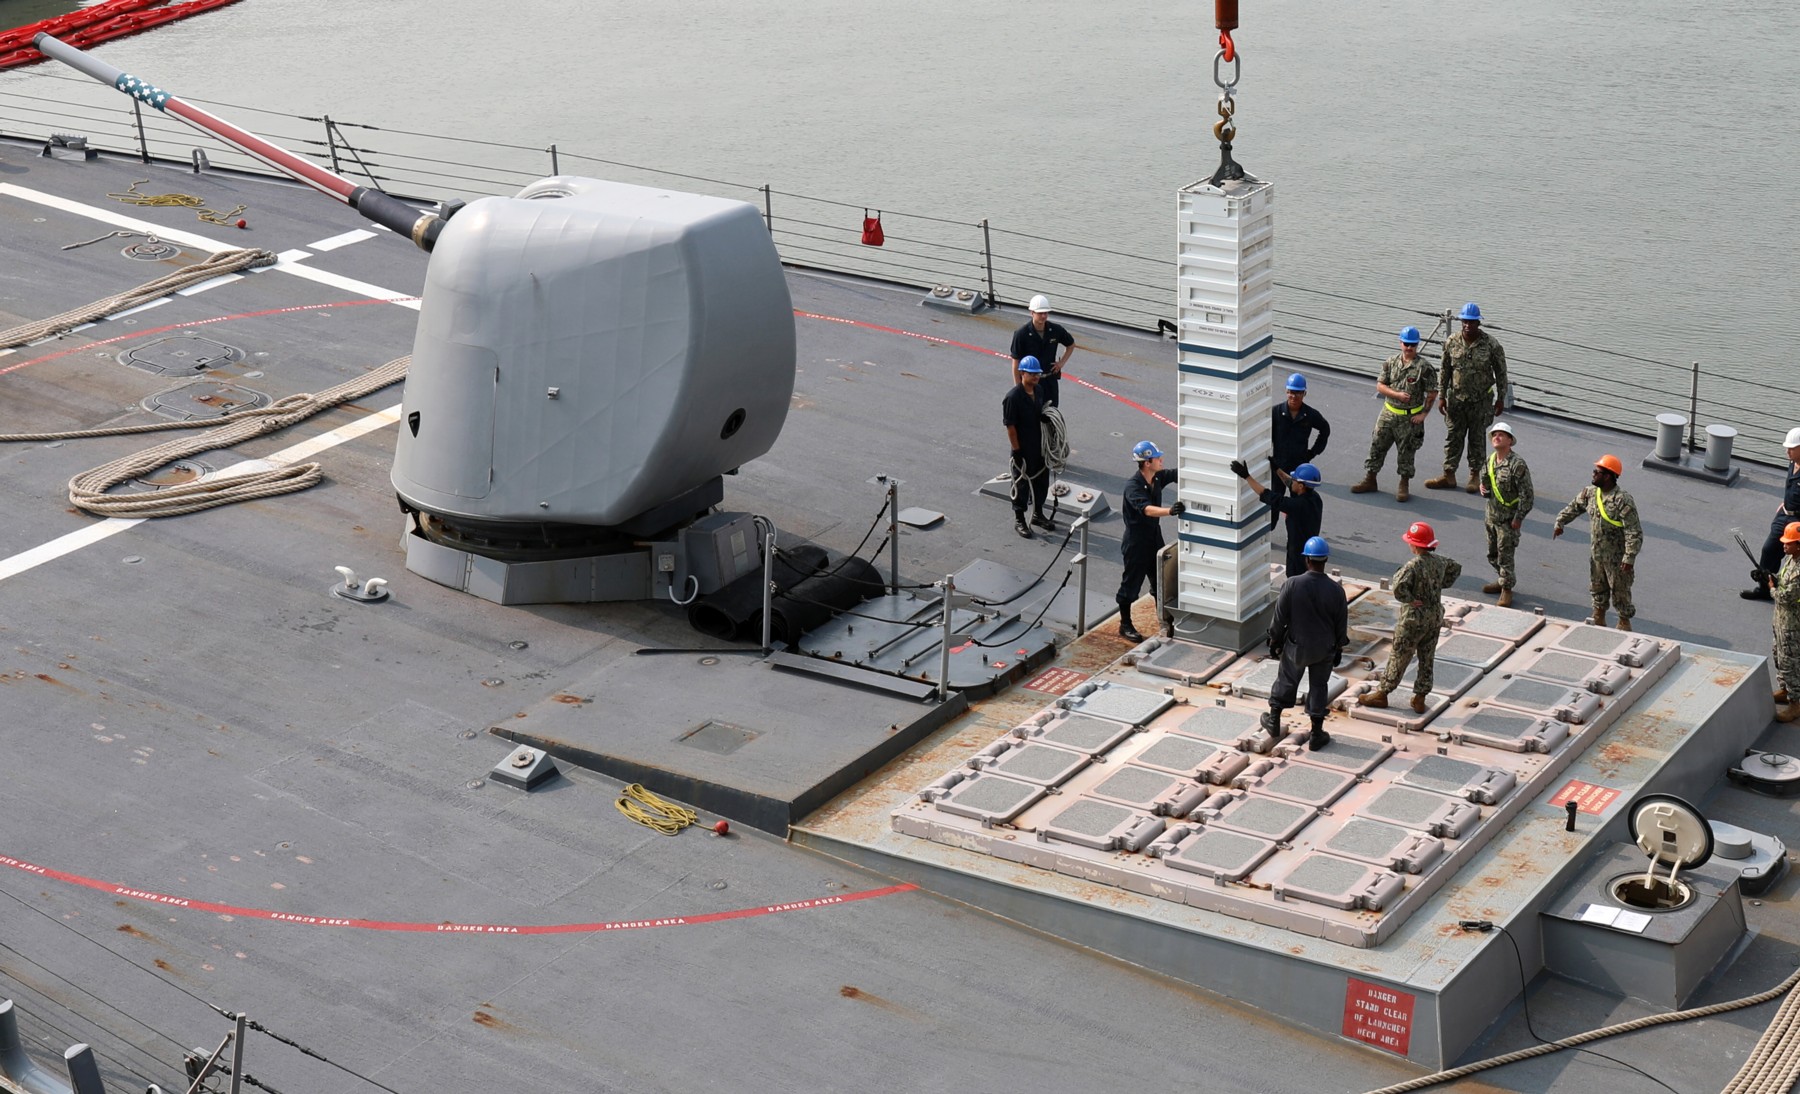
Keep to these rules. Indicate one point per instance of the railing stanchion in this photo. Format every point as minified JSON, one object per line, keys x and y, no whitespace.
{"x":137,"y":112}
{"x":555,"y":167}
{"x":768,"y":210}
{"x":987,"y":254}
{"x":1694,"y":409}
{"x":331,"y":145}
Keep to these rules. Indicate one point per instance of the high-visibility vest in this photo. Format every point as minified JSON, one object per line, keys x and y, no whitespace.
{"x":1600,"y":506}
{"x":1494,"y":483}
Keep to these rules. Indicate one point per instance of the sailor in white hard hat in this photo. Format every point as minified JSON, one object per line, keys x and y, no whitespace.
{"x":1044,"y":340}
{"x":1769,"y":560}
{"x":1506,"y":484}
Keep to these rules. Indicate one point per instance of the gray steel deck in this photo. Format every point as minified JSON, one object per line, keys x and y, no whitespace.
{"x":190,"y":714}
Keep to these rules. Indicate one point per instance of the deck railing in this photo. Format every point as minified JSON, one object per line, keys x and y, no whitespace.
{"x":1340,"y":330}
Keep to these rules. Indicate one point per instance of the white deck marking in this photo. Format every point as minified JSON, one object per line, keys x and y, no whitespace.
{"x":306,"y":449}
{"x":355,"y":235}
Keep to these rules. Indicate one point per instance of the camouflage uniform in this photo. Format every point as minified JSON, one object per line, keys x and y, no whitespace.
{"x":1423,"y":578}
{"x":1512,"y":481}
{"x":1402,"y":426}
{"x":1787,"y":627}
{"x":1618,"y":537}
{"x":1474,"y":375}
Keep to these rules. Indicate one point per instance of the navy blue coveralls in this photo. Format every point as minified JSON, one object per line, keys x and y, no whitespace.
{"x":1789,"y":512}
{"x":1027,"y":342}
{"x":1291,"y":438}
{"x":1031,"y":483}
{"x":1143,"y":535}
{"x":1309,"y":631}
{"x":1305,"y":512}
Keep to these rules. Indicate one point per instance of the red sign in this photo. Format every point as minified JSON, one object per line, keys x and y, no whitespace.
{"x":1055,"y":681}
{"x":1379,"y":1016}
{"x":1588,"y":797}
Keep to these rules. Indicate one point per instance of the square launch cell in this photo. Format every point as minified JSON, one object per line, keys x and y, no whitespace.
{"x":1080,"y":732}
{"x":1216,"y":853}
{"x":1133,"y":706}
{"x":1270,"y":818}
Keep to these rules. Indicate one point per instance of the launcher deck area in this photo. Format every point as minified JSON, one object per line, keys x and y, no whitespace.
{"x":1145,"y":813}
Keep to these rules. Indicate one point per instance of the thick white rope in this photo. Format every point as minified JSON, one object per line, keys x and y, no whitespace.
{"x":225,"y":262}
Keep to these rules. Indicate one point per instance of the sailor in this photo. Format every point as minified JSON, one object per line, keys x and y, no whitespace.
{"x":1043,"y":339}
{"x":1617,"y":535}
{"x":1308,"y":636}
{"x":1304,"y":506}
{"x":1142,"y":508}
{"x":1788,"y":510}
{"x":1292,"y":430}
{"x":1419,"y":587}
{"x":1022,"y":412}
{"x":1787,"y":626}
{"x":1474,"y":381}
{"x":1409,"y":386}
{"x":1506,"y":483}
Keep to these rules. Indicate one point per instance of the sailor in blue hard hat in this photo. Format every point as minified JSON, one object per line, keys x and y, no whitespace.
{"x":1142,"y":509}
{"x":1022,"y":412}
{"x":1473,"y":374}
{"x":1308,"y":636}
{"x":1297,"y":434}
{"x":1304,"y":507}
{"x":1408,"y":385}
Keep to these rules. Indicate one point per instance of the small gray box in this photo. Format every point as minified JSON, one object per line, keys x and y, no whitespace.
{"x":720,"y":548}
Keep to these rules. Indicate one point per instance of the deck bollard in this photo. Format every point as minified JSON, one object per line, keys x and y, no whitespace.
{"x":1668,"y":435}
{"x":1719,"y":439}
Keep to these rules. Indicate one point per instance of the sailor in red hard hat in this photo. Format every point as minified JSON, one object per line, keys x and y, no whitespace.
{"x":1419,"y":587}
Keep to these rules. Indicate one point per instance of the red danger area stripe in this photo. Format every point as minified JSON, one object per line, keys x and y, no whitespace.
{"x":447,"y":927}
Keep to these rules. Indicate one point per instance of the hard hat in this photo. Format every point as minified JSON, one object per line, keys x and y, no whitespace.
{"x":1421,"y":535}
{"x":1471,"y":312}
{"x":1030,"y":364}
{"x":1297,"y":382}
{"x":1792,"y":439}
{"x":1409,"y":335}
{"x":1502,"y":427}
{"x":1316,"y":547}
{"x":1040,"y":302}
{"x":1144,"y":450}
{"x":1610,"y":462}
{"x":1791,"y":534}
{"x":1308,"y":474}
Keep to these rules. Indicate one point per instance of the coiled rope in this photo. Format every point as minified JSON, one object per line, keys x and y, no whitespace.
{"x":655,"y":812}
{"x":1056,"y":440}
{"x":217,"y":265}
{"x":88,"y":490}
{"x":1772,"y":1067}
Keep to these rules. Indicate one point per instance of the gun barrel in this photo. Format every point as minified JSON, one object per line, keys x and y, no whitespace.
{"x":382,"y":208}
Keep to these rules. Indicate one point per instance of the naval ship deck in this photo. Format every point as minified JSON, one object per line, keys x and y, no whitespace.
{"x":230,"y":789}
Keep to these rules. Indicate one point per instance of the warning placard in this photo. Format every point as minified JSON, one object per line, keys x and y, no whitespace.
{"x":1588,"y":797}
{"x":1055,"y":681}
{"x":1380,"y":1016}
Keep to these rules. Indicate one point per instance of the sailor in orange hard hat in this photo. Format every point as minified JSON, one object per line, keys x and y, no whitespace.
{"x":1617,"y":539}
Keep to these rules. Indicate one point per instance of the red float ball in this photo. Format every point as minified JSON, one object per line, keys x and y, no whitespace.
{"x":242,"y":223}
{"x":722,"y":828}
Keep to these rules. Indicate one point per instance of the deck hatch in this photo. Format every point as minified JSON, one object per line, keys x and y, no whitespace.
{"x":1133,"y":706}
{"x":1260,"y":681}
{"x":1038,"y":764}
{"x":1184,"y":661}
{"x":1473,"y":781}
{"x":1423,"y":811}
{"x":1578,"y":670}
{"x":1513,"y":730}
{"x":1152,"y":791}
{"x":1350,"y":754}
{"x":1473,"y":649}
{"x":1196,"y":759}
{"x":990,"y":798}
{"x":1385,"y":845}
{"x":1315,"y":786}
{"x":181,"y":355}
{"x":723,"y":738}
{"x":1220,"y":854}
{"x":204,"y":399}
{"x":1103,"y":826}
{"x":1225,"y":724}
{"x":1081,"y":732}
{"x":1267,"y":817}
{"x":1549,"y":698}
{"x":1339,"y":883}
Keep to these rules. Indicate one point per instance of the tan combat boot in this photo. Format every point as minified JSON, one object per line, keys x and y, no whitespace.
{"x":1474,"y":486}
{"x":1418,"y":704}
{"x":1624,"y":624}
{"x":1788,"y":713}
{"x":1781,"y":697}
{"x":1405,"y":491}
{"x":1598,"y":619}
{"x":1376,"y":698}
{"x":1491,"y":587}
{"x":1367,"y":484}
{"x":1505,"y":600}
{"x":1446,"y":481}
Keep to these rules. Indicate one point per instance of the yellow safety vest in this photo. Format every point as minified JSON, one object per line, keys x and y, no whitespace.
{"x":1600,"y":506}
{"x":1407,"y":410}
{"x":1494,"y":483}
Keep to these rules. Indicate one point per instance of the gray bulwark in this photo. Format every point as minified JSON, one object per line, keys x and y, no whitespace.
{"x":1133,"y":706}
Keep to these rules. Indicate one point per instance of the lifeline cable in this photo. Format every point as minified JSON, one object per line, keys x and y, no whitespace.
{"x":217,"y":265}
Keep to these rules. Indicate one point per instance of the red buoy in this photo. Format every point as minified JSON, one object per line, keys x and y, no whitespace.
{"x":242,"y":223}
{"x":722,"y":828}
